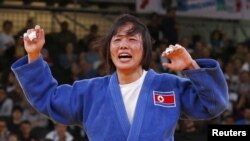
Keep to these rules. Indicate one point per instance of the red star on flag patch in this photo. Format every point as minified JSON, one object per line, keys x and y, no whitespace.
{"x":165,"y":99}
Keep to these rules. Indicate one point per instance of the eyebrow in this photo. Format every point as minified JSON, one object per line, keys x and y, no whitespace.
{"x":126,"y":35}
{"x":119,"y":35}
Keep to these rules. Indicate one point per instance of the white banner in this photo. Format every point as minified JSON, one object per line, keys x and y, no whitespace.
{"x":222,"y":9}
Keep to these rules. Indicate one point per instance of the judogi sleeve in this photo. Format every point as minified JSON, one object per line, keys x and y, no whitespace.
{"x":206,"y":95}
{"x":62,"y":103}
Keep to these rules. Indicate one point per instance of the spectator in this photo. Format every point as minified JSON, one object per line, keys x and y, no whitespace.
{"x":87,"y":39}
{"x":65,"y":36}
{"x":246,"y":63}
{"x":14,"y":91}
{"x":7,"y":43}
{"x":13,"y":137}
{"x":245,"y":117}
{"x":93,"y":55}
{"x":74,"y":73}
{"x":86,"y":69}
{"x":19,"y":49}
{"x":6,"y":104}
{"x":217,"y":42}
{"x":36,"y":119}
{"x":169,"y":26}
{"x":154,"y":29}
{"x":60,"y":133}
{"x":228,"y":119}
{"x":6,"y":39}
{"x":16,"y":119}
{"x":25,"y":128}
{"x":4,"y":132}
{"x":67,"y":58}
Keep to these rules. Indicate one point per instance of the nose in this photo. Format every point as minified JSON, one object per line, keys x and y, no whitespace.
{"x":124,"y":44}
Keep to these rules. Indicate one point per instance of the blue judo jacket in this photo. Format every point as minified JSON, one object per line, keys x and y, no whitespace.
{"x":97,"y":103}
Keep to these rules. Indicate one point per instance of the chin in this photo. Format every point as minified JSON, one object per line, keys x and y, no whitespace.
{"x":124,"y":67}
{"x":127,"y":68}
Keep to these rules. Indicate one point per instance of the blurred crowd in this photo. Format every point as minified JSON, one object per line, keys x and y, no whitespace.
{"x":73,"y":58}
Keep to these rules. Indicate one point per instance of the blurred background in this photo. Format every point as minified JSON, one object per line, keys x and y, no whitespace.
{"x":217,"y":29}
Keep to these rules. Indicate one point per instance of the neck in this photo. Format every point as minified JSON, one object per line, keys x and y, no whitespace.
{"x":126,"y":77}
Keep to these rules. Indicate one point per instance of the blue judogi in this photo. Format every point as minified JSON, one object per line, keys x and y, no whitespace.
{"x":97,"y":103}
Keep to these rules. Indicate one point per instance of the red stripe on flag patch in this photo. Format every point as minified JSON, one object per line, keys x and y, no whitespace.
{"x":166,"y":99}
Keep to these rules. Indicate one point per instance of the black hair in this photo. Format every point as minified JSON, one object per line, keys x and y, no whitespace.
{"x":18,"y":108}
{"x":25,"y":122}
{"x":7,"y":22}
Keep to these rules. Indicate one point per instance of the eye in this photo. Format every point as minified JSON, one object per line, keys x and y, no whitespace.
{"x":132,"y":39}
{"x":116,"y":39}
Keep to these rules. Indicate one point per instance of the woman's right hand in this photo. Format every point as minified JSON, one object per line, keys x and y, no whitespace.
{"x":34,"y":47}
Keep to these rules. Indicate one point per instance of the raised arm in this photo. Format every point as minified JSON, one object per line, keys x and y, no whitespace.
{"x":61,"y":103}
{"x":205,"y":94}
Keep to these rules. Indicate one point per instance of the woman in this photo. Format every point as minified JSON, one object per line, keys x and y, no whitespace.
{"x":134,"y":103}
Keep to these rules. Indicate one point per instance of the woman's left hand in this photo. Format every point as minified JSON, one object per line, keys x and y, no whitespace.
{"x":180,"y":58}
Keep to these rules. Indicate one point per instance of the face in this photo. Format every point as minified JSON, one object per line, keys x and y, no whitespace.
{"x":2,"y":95}
{"x":2,"y":126}
{"x":61,"y":129}
{"x":17,"y":114}
{"x":126,"y":50}
{"x":26,"y":128}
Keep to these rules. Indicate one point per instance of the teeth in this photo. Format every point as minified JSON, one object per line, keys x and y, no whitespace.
{"x":124,"y":54}
{"x":125,"y":59}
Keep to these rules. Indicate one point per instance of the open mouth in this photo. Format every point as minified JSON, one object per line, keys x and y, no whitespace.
{"x":124,"y":56}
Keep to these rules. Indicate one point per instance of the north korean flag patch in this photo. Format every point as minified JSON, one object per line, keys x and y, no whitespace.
{"x":164,"y":99}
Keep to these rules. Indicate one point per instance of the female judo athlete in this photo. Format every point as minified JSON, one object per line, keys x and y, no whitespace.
{"x":133,"y":102}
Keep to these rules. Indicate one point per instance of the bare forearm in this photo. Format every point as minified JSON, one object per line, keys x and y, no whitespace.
{"x":193,"y":65}
{"x":33,"y":57}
